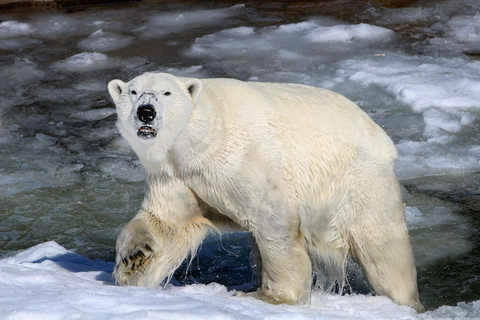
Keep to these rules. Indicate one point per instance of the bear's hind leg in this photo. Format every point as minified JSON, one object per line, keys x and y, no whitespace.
{"x":385,"y":254}
{"x":377,"y":233}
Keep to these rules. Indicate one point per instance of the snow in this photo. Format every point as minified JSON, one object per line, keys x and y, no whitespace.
{"x":49,"y":282}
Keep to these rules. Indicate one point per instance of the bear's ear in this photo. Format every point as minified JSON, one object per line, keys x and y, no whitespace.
{"x":194,"y":87}
{"x":115,"y":88}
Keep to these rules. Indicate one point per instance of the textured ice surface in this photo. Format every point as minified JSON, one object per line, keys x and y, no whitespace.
{"x":84,"y":62}
{"x":102,"y":41}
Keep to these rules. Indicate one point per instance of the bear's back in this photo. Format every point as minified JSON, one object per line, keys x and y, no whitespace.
{"x":295,"y":107}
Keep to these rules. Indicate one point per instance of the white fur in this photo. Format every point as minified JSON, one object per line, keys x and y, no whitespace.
{"x":303,"y":169}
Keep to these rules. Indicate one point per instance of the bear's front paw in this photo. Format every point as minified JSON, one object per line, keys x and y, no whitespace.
{"x":138,"y":260}
{"x":132,"y":265}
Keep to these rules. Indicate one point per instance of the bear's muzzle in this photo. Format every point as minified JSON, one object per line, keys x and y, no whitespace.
{"x":146,"y":114}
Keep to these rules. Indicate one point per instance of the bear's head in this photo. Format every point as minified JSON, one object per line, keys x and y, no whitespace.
{"x":153,"y":108}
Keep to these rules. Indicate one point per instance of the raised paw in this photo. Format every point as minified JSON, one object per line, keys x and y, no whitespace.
{"x":136,"y":250}
{"x":138,"y":260}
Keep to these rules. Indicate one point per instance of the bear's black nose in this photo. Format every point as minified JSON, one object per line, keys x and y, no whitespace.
{"x":146,"y":113}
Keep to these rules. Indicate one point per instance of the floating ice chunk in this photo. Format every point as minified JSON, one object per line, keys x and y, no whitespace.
{"x":436,"y":156}
{"x":289,"y":54}
{"x":120,"y":146}
{"x":188,"y":18}
{"x":467,"y":119}
{"x":85,"y":61}
{"x":420,"y":82}
{"x":433,"y":216}
{"x":232,"y":42}
{"x":455,"y":27}
{"x":474,"y":151}
{"x":104,"y":41}
{"x":349,"y":33}
{"x":404,"y":16}
{"x":16,"y":76}
{"x":68,"y":174}
{"x":94,"y":115}
{"x":465,"y":28}
{"x":14,"y":28}
{"x":429,"y":226}
{"x":161,"y":24}
{"x":304,"y":26}
{"x":16,"y":43}
{"x":70,"y":168}
{"x":301,"y":48}
{"x":120,"y":169}
{"x":413,"y":215}
{"x":239,"y":32}
{"x":440,"y":124}
{"x":53,"y":26}
{"x":90,"y":85}
{"x":45,"y":139}
{"x":193,"y":71}
{"x":137,"y":63}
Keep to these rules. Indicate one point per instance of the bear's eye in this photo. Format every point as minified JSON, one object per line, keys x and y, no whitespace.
{"x":167,"y":93}
{"x":133,"y":92}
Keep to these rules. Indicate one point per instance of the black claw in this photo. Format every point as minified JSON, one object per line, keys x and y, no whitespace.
{"x":137,"y":258}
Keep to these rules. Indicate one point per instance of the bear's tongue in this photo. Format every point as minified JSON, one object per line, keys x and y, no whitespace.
{"x":146,"y":132}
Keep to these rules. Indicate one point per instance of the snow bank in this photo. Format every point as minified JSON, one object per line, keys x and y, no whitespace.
{"x":49,"y":282}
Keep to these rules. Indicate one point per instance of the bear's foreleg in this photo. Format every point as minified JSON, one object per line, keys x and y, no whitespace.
{"x":150,"y":250}
{"x":135,"y":248}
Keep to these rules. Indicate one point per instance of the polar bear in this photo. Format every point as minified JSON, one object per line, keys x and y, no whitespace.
{"x":303,"y":169}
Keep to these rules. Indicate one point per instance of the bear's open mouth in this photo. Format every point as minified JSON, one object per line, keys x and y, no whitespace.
{"x":146,"y":132}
